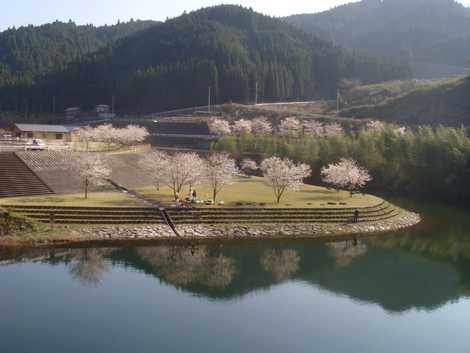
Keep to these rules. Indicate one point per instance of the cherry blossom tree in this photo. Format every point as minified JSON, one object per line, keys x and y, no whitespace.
{"x":249,"y":165}
{"x":85,"y":135}
{"x":346,"y":174}
{"x":290,"y":126}
{"x":313,"y":127}
{"x":104,"y":134}
{"x":284,"y":174}
{"x":261,"y":126}
{"x":219,"y":172}
{"x":375,"y":125}
{"x":219,"y":127}
{"x":154,"y":163}
{"x":182,"y":169}
{"x":90,"y":167}
{"x":242,"y":126}
{"x":108,"y":134}
{"x":131,"y":135}
{"x":332,"y":129}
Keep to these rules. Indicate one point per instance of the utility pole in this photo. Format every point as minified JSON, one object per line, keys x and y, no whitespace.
{"x":113,"y":102}
{"x":338,"y":100}
{"x":26,"y":108}
{"x":256,"y":92}
{"x":209,"y":100}
{"x":53,"y":105}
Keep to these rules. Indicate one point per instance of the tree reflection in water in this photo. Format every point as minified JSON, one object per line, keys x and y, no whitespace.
{"x":282,"y":264}
{"x":345,"y":252}
{"x":88,"y":266}
{"x":184,"y":266}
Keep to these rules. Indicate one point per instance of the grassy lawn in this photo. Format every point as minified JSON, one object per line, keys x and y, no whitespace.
{"x":247,"y":191}
{"x":256,"y":192}
{"x":95,"y":199}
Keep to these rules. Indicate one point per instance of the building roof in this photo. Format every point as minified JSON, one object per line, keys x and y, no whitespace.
{"x":44,"y":128}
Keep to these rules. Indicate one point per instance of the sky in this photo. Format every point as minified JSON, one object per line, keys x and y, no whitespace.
{"x":99,"y":12}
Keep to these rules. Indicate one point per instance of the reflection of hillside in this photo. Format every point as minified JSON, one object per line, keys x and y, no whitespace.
{"x":394,"y":278}
{"x":443,"y":237}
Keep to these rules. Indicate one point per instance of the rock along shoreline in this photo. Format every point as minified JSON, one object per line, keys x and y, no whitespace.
{"x":112,"y":234}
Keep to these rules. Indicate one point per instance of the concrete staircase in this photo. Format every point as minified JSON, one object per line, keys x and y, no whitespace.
{"x":17,"y":179}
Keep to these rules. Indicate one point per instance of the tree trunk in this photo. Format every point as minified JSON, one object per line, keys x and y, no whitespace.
{"x":86,"y":188}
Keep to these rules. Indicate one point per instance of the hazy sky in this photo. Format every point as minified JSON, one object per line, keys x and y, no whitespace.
{"x":23,"y":12}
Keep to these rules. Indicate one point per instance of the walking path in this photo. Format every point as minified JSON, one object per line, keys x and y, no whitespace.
{"x":166,"y":217}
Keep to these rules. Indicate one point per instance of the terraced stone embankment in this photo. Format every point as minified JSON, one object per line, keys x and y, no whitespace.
{"x":380,"y":212}
{"x":105,"y":223}
{"x":89,"y":215}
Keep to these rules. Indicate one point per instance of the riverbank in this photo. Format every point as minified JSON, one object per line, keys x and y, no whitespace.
{"x":112,"y":234}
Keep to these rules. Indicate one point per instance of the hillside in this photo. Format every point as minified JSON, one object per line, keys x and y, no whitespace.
{"x":26,"y":52}
{"x":446,"y":103}
{"x":432,"y":35}
{"x":230,"y":48}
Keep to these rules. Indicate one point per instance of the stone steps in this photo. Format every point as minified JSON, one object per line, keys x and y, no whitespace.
{"x":91,"y":215}
{"x":129,"y":215}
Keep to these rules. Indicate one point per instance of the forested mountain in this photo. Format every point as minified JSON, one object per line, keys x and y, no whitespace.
{"x":26,"y":52}
{"x":433,"y":35}
{"x":229,"y":48}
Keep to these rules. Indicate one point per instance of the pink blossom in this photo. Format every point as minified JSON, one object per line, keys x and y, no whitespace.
{"x":333,"y":129}
{"x":219,"y":127}
{"x":375,"y":125}
{"x":346,"y":174}
{"x":283,"y":174}
{"x":313,"y":127}
{"x":290,"y":126}
{"x":261,"y":125}
{"x":218,"y":172}
{"x":242,"y":126}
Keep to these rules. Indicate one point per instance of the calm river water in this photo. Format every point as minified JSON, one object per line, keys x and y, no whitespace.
{"x":406,"y":292}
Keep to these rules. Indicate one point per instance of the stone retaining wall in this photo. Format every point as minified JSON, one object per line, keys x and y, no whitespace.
{"x":404,"y":220}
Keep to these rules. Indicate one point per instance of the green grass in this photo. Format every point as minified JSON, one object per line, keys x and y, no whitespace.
{"x":249,"y":191}
{"x":256,"y":191}
{"x":95,"y":199}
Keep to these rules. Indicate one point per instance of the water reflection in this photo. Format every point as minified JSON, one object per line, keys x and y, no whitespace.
{"x":281,"y":264}
{"x":399,"y":272}
{"x":184,"y":266}
{"x":344,"y":252}
{"x":89,"y":266}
